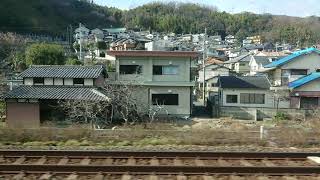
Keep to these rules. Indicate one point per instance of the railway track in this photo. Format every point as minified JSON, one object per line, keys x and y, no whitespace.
{"x":156,"y":165}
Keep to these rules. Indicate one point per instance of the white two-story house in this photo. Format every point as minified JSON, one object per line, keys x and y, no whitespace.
{"x":164,"y":77}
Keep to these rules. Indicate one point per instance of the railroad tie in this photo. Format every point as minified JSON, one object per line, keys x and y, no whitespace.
{"x":290,"y":162}
{"x":73,"y":176}
{"x":177,"y":161}
{"x":131,"y":161}
{"x":19,"y":176}
{"x":85,"y":161}
{"x":63,"y":161}
{"x":199,"y":162}
{"x":181,"y":176}
{"x":99,"y":176}
{"x":207,"y":177}
{"x":46,"y":176}
{"x":126,"y":177}
{"x":262,"y":178}
{"x":154,"y":161}
{"x":108,"y":161}
{"x":244,"y":162}
{"x":267,"y":162}
{"x":41,"y":161}
{"x":2,"y":159}
{"x":20,"y":160}
{"x":223,"y":162}
{"x":153,"y":176}
{"x":289,"y":178}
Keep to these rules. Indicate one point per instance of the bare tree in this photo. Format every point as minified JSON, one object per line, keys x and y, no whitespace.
{"x":124,"y":102}
{"x":10,"y":46}
{"x":85,"y":111}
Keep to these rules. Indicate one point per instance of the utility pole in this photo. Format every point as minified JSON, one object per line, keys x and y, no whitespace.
{"x":80,"y":40}
{"x":203,"y":66}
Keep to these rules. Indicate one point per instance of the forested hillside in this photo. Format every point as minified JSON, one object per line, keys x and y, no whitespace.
{"x":53,"y":17}
{"x":191,"y":18}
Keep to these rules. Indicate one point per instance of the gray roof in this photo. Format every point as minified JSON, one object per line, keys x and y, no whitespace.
{"x":244,"y":82}
{"x":245,"y":57}
{"x":63,"y":71}
{"x":264,"y":60}
{"x":56,"y":93}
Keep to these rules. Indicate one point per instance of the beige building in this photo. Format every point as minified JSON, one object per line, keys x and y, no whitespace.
{"x":293,"y":67}
{"x":164,"y":77}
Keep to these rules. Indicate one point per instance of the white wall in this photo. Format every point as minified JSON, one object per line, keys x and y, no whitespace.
{"x":58,"y":81}
{"x":88,"y":82}
{"x":48,"y":81}
{"x":184,"y":99}
{"x":269,"y":98}
{"x":68,"y":81}
{"x":28,"y":81}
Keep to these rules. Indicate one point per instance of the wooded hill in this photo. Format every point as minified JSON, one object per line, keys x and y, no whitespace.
{"x":53,"y":17}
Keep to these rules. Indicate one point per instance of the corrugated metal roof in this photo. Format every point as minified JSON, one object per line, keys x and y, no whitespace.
{"x":56,"y":92}
{"x":291,"y":57}
{"x":62,"y":71}
{"x":244,"y":82}
{"x":304,"y":80}
{"x":244,"y":57}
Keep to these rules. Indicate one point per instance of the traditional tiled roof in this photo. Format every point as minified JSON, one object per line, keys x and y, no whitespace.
{"x":62,"y":71}
{"x":263,"y":60}
{"x":291,"y":57}
{"x":191,"y":54}
{"x":245,"y":82}
{"x":304,"y":80}
{"x":244,"y":57}
{"x":56,"y":93}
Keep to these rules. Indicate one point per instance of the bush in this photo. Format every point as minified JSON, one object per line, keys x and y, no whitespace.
{"x":281,"y":116}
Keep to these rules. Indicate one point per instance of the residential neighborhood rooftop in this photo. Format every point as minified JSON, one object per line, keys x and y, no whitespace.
{"x":291,"y":57}
{"x":304,"y":80}
{"x":259,"y":82}
{"x":62,"y":71}
{"x":191,"y":54}
{"x":56,"y":93}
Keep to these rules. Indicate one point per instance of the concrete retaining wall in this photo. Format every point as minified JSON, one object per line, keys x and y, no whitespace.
{"x":261,"y":113}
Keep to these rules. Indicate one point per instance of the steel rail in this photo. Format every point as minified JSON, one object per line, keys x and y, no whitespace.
{"x":141,"y":169}
{"x":163,"y":154}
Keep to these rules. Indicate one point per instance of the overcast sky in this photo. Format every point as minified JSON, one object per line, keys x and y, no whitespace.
{"x":300,"y":8}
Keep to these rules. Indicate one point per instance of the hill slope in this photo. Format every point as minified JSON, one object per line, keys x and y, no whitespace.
{"x":53,"y":16}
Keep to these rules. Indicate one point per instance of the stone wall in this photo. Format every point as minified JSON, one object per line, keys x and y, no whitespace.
{"x":250,"y":113}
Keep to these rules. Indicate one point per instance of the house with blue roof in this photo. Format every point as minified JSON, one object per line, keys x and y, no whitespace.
{"x":294,"y":66}
{"x":305,"y":92}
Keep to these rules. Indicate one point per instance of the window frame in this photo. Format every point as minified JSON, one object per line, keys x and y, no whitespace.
{"x":252,"y":98}
{"x":232,"y":98}
{"x":173,"y":99}
{"x":77,"y":79}
{"x":138,"y":69}
{"x":39,"y":82}
{"x":161,"y":71}
{"x":297,"y":72}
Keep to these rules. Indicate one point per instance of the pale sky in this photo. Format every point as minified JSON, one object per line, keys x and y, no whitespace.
{"x":300,"y":8}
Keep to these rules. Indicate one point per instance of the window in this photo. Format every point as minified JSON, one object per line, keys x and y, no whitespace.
{"x":248,"y":98}
{"x":232,"y":98}
{"x":130,"y":69}
{"x":38,"y":80}
{"x":102,"y":54}
{"x":299,"y":72}
{"x":165,"y":99}
{"x":78,"y":81}
{"x":165,"y":70}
